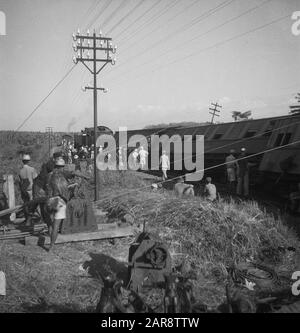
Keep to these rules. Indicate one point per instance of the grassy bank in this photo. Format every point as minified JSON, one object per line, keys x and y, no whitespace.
{"x":209,"y":237}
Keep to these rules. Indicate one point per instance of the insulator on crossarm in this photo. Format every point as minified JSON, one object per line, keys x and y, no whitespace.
{"x":75,"y":60}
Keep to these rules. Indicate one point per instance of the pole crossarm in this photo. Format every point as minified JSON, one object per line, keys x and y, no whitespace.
{"x":97,"y":60}
{"x":92,"y":88}
{"x":97,"y":48}
{"x":91,"y":37}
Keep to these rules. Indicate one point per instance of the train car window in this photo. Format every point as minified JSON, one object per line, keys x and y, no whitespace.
{"x":249,"y":134}
{"x":278,"y":140}
{"x":286,"y":139}
{"x":217,"y":136}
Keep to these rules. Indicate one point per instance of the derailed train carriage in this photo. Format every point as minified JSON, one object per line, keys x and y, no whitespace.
{"x":269,"y":140}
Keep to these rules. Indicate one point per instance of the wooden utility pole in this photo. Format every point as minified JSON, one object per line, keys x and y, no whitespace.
{"x":83,"y":47}
{"x":215,"y":111}
{"x":49,"y":131}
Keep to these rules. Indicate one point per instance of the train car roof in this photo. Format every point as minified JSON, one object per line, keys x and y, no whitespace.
{"x":150,"y":131}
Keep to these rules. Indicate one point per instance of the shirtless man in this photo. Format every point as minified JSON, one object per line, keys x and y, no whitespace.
{"x":183,"y":190}
{"x":210,"y":190}
{"x":58,"y":196}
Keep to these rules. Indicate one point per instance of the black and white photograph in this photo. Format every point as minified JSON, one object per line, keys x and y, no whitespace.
{"x":149,"y":159}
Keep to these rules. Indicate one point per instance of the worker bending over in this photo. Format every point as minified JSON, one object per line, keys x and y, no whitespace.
{"x":58,"y":192}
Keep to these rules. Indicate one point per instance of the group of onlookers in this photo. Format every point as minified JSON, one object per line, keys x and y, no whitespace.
{"x":238,"y":168}
{"x":49,"y":191}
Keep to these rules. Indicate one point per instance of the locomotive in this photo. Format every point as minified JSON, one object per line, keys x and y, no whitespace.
{"x":86,"y":137}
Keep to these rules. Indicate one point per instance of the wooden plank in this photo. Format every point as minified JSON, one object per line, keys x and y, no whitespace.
{"x":10,"y":210}
{"x":86,"y":236}
{"x":9,"y":190}
{"x":107,"y":226}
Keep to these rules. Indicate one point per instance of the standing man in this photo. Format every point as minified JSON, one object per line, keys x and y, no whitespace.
{"x":135,"y":155}
{"x":231,"y":168}
{"x":243,"y":174}
{"x":143,"y":157}
{"x":27,"y":176}
{"x":165,"y":164}
{"x":120,"y":157}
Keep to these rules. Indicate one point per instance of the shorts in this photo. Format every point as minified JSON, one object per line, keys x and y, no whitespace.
{"x":58,"y":208}
{"x":231,"y":175}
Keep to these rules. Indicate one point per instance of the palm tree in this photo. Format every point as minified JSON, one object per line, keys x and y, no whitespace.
{"x":246,"y":115}
{"x":236,"y":115}
{"x":295,"y":108}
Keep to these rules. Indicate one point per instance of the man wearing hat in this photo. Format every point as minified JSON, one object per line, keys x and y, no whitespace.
{"x":231,"y":168}
{"x":243,"y":174}
{"x":27,"y":175}
{"x":58,"y":195}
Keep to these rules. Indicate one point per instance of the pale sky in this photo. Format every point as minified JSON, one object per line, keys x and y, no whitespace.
{"x":173,"y":60}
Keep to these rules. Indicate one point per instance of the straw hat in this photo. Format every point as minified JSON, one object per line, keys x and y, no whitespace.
{"x":26,"y":157}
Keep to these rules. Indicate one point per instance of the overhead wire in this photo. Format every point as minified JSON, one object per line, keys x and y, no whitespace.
{"x":129,"y":13}
{"x":113,"y":13}
{"x":186,"y":41}
{"x":187,"y":26}
{"x":212,"y":46}
{"x":140,"y":17}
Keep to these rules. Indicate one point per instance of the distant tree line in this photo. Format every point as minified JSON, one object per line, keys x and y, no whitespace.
{"x":182,"y":124}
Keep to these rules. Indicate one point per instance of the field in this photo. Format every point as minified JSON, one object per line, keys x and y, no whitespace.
{"x":206,"y":237}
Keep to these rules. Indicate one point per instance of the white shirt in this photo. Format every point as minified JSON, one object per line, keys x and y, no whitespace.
{"x":143,"y":154}
{"x":164,"y":160}
{"x":135,"y":154}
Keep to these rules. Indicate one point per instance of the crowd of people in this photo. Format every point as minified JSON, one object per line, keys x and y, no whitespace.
{"x":238,"y":168}
{"x":48,"y":191}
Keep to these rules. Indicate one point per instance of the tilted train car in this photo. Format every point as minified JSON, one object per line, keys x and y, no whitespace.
{"x":264,"y":138}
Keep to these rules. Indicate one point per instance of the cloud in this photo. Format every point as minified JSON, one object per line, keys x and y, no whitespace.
{"x":225,"y":100}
